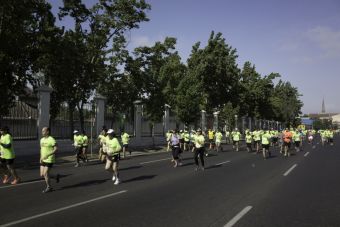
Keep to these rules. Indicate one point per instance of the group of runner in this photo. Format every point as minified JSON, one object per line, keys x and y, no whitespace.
{"x":110,"y":148}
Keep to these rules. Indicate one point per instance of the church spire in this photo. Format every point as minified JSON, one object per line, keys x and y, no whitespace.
{"x":323,"y":106}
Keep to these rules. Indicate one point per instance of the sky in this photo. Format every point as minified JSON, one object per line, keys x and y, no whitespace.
{"x":299,"y":39}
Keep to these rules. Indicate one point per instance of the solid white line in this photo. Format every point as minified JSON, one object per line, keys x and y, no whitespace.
{"x":306,"y":154}
{"x":233,"y":221}
{"x":219,"y":164}
{"x":61,"y":209}
{"x":22,"y":184}
{"x":290,"y":170}
{"x":155,"y":161}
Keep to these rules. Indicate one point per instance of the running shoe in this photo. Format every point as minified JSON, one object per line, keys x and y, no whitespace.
{"x":15,"y":181}
{"x":48,"y":189}
{"x":6,"y":179}
{"x":113,"y":178}
{"x":117,"y":182}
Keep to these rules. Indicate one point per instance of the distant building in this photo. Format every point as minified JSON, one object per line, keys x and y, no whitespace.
{"x":334,"y":117}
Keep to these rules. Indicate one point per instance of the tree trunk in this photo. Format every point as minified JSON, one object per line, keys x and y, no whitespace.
{"x":70,"y":118}
{"x":81,"y":116}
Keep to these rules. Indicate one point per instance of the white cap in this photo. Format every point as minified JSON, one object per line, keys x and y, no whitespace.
{"x":75,"y":131}
{"x":110,"y":131}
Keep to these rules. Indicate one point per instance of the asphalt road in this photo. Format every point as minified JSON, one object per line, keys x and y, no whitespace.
{"x":236,"y":189}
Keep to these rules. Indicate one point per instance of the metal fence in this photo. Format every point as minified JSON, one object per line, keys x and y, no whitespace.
{"x":120,"y":121}
{"x":61,"y":125}
{"x":21,"y":120}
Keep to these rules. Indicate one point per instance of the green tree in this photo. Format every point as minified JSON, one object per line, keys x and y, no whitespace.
{"x":93,"y":47}
{"x":26,"y":30}
{"x":216,"y":71}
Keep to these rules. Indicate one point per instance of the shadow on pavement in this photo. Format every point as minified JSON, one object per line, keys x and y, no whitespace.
{"x":140,"y":178}
{"x":131,"y":167}
{"x":85,"y":183}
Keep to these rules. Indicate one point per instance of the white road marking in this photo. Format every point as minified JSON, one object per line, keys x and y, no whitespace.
{"x":306,"y":154}
{"x":219,"y":164}
{"x":61,"y":209}
{"x":233,"y":221}
{"x":290,"y":170}
{"x":155,"y":161}
{"x":22,"y":184}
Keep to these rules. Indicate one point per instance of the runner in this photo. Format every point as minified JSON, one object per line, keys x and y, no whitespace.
{"x":236,"y":136}
{"x":181,"y":139}
{"x":85,"y":145}
{"x":297,"y":140}
{"x":125,"y":141}
{"x":186,"y":140}
{"x":199,"y":149}
{"x":48,"y":148}
{"x":331,"y":137}
{"x":227,"y":136}
{"x":249,"y":139}
{"x":211,"y":135}
{"x":310,"y":137}
{"x":176,"y":150}
{"x":287,"y":140}
{"x":218,"y":140}
{"x":168,"y":136}
{"x":113,"y":155}
{"x":101,"y":139}
{"x":7,"y":157}
{"x":257,"y":140}
{"x":266,"y":137}
{"x":78,"y":147}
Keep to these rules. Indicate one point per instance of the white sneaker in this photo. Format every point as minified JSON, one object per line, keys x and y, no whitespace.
{"x":117,"y":182}
{"x":113,"y":178}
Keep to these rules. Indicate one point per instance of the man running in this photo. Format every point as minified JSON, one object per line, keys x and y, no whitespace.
{"x":218,"y":140}
{"x":101,"y":139}
{"x":236,"y":136}
{"x":266,"y":137}
{"x":48,"y":148}
{"x":287,"y":140}
{"x":7,"y":157}
{"x":85,"y":145}
{"x":297,"y":140}
{"x":78,"y":147}
{"x":113,"y":155}
{"x":249,"y":139}
{"x":125,"y":141}
{"x":176,"y":149}
{"x":199,"y":149}
{"x":211,"y":135}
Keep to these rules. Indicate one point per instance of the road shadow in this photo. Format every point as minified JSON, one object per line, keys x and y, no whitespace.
{"x":214,"y":167}
{"x":140,"y":178}
{"x":130,"y":167}
{"x":84,"y":184}
{"x":188,"y":164}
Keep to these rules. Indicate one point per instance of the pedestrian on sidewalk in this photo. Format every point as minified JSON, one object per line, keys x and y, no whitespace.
{"x":48,"y":148}
{"x":7,"y":157}
{"x":113,"y":155}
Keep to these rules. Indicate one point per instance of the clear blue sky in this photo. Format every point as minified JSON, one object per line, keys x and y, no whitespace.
{"x":300,"y":39}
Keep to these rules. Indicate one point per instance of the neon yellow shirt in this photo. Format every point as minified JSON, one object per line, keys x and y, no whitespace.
{"x":113,"y":146}
{"x":125,"y":138}
{"x":218,"y":137}
{"x":7,"y":153}
{"x":47,"y":145}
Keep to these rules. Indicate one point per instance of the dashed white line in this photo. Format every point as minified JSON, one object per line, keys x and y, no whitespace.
{"x":306,"y":154}
{"x":219,"y":164}
{"x":290,"y":170}
{"x":61,"y":209}
{"x":22,"y":184}
{"x":155,"y":161}
{"x":233,"y":221}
